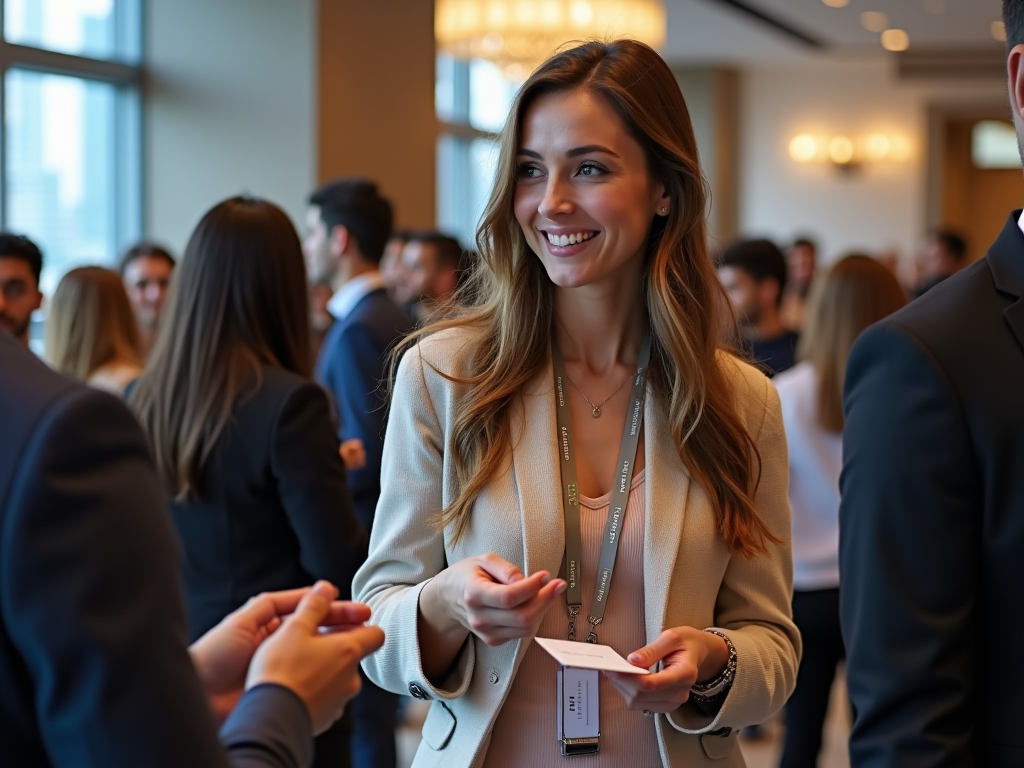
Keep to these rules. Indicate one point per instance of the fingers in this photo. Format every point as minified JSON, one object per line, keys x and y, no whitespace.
{"x":497,"y":625}
{"x":501,"y":570}
{"x":667,"y":642}
{"x":482,"y":593}
{"x":346,"y":612}
{"x":363,"y":640}
{"x":314,"y":606}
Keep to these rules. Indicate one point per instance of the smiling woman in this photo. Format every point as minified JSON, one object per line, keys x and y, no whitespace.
{"x":575,"y":429}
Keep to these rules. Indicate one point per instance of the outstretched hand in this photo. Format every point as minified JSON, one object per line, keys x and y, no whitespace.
{"x":687,"y":655}
{"x":221,"y":657}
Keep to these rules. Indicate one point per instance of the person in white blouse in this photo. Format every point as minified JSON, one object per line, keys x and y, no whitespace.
{"x":856,"y":292}
{"x":581,"y":401}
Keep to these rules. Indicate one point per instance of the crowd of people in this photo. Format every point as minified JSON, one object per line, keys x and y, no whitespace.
{"x":362,"y":463}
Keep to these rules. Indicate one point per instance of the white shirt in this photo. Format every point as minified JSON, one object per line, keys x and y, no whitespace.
{"x":815,"y":461}
{"x":1020,"y":222}
{"x":352,"y":292}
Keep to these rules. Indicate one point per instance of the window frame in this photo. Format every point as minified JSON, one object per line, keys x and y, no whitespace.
{"x":126,"y":73}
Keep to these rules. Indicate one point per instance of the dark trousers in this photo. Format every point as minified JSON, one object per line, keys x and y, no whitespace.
{"x":816,"y":614}
{"x":373,"y":741}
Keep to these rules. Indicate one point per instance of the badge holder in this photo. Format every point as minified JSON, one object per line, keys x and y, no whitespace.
{"x":579,"y":727}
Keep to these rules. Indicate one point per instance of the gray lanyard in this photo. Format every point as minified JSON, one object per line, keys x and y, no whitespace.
{"x":620,"y":493}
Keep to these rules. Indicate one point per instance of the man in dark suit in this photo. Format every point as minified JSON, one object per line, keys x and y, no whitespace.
{"x":348,"y":225}
{"x":932,"y":514}
{"x":94,"y":669}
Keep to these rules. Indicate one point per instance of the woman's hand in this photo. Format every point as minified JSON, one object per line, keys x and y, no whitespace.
{"x":484,"y":595}
{"x":689,"y":656}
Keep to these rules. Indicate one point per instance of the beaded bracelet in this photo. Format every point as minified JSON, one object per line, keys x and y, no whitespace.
{"x":716,"y":687}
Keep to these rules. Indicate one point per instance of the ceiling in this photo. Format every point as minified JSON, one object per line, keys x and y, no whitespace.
{"x":716,"y":32}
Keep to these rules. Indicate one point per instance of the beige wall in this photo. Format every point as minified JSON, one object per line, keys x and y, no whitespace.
{"x":376,"y":100}
{"x":886,"y":206}
{"x":230,"y":107}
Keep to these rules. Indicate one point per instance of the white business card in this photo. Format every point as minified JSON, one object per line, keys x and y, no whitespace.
{"x":588,"y":656}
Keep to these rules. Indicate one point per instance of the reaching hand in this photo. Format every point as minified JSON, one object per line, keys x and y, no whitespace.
{"x":688,"y":656}
{"x":322,"y":668}
{"x":221,"y":657}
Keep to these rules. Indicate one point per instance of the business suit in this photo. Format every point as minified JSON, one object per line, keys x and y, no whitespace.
{"x":932,"y":523}
{"x":352,"y":367}
{"x":274,"y":513}
{"x":689,"y":577}
{"x":94,"y":669}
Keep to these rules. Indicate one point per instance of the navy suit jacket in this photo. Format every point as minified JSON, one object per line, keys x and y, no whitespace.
{"x":353,"y":368}
{"x":932,"y":524}
{"x":94,"y":668}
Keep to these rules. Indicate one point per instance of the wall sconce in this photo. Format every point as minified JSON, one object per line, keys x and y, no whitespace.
{"x":849,"y":154}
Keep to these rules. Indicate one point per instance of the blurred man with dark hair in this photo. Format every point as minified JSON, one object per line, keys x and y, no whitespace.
{"x":349,"y":224}
{"x":801,"y":262}
{"x":391,"y":262}
{"x":146,"y":271}
{"x":944,"y":254}
{"x":754,"y":274}
{"x":932,"y":512}
{"x":21,"y":263}
{"x":430,"y":272}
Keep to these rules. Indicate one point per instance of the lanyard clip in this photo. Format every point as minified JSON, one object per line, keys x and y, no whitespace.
{"x":592,"y":636}
{"x":574,"y":611}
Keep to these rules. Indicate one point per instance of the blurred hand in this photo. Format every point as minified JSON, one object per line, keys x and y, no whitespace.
{"x":491,"y":597}
{"x":353,"y":454}
{"x":221,"y":657}
{"x":322,"y":668}
{"x":688,"y":656}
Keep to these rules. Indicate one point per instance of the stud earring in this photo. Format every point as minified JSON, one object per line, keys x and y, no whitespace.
{"x":664,"y":210}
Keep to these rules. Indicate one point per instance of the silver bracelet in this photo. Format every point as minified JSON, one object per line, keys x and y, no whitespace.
{"x":716,"y":687}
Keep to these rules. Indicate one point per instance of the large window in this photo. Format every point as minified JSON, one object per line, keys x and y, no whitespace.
{"x":472,"y":100}
{"x":70,"y":154}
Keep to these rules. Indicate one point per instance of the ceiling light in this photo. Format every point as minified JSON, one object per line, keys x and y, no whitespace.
{"x":836,"y":3}
{"x":895,"y":40}
{"x":519,"y":34}
{"x":877,"y":146}
{"x":935,"y":6}
{"x":999,"y":31}
{"x":874,"y":21}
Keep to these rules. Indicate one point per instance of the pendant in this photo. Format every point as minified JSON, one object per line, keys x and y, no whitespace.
{"x":596,"y":413}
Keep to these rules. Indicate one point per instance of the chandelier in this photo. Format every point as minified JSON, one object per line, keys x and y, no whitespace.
{"x":519,"y":34}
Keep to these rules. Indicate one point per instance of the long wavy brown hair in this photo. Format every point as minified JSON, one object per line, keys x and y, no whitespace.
{"x":237,"y":302}
{"x":507,"y":303}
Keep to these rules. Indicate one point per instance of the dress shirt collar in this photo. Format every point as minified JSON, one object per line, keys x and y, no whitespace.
{"x":352,"y":292}
{"x":1020,"y":222}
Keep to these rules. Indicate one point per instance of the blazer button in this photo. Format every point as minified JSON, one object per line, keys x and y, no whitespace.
{"x":492,"y":675}
{"x":417,"y":692}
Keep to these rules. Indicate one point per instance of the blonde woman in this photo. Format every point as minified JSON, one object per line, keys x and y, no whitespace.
{"x":857,"y":292}
{"x":91,"y":332}
{"x":582,"y":389}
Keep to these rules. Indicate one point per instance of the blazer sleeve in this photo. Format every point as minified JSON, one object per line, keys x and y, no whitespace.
{"x":406,"y":546}
{"x":311,"y":481}
{"x":355,"y":371}
{"x":754,"y":603}
{"x":909,"y":526}
{"x":92,"y":602}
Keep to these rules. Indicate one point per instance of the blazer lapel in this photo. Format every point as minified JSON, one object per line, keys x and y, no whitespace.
{"x":538,"y":483}
{"x":667,"y":487}
{"x":1006,"y":260}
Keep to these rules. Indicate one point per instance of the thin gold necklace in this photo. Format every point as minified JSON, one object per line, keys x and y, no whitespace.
{"x":596,"y":412}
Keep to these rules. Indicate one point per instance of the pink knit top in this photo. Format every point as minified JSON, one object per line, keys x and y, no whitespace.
{"x":525,"y":731}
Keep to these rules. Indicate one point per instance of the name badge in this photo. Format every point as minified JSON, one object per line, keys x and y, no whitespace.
{"x":579,"y":727}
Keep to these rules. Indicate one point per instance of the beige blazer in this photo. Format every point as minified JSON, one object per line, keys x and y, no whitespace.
{"x":689,"y":577}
